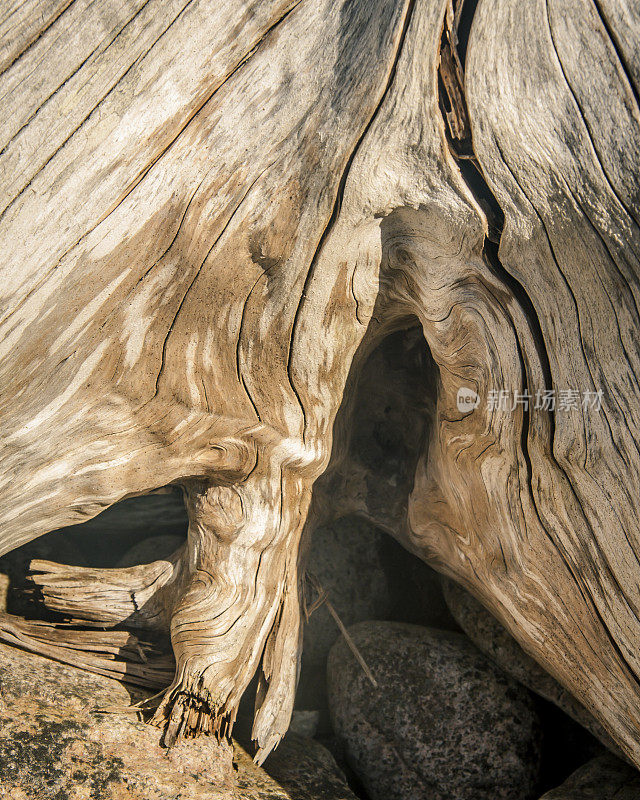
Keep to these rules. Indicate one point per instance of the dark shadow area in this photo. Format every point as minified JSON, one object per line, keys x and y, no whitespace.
{"x":565,"y":745}
{"x":135,"y":531}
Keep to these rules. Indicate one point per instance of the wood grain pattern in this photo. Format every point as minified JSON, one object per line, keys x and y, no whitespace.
{"x":212,"y":212}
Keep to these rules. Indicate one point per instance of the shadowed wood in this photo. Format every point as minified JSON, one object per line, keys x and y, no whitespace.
{"x":211,"y":213}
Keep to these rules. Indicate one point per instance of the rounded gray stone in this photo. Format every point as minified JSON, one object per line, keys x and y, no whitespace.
{"x":496,"y":642}
{"x":366,"y":575}
{"x":444,"y":723}
{"x":307,"y":770}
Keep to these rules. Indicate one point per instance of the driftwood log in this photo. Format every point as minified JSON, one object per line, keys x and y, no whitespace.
{"x":212,"y":212}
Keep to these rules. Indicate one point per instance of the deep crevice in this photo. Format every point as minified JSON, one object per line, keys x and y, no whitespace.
{"x":463,"y":17}
{"x":455,"y":35}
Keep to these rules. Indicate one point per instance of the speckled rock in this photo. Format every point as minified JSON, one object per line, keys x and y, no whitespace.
{"x":252,"y":782}
{"x":443,"y":723}
{"x":347,"y":559}
{"x":603,"y":778}
{"x":494,"y":641}
{"x":307,"y":770}
{"x":55,"y":746}
{"x":367,"y":575}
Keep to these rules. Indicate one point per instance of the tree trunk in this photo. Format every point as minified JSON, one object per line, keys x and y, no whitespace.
{"x":210,"y":213}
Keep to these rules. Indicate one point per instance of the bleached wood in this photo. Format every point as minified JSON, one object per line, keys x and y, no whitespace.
{"x":214,"y":211}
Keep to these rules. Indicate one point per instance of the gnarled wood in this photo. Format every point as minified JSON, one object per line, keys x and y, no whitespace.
{"x":212,"y":213}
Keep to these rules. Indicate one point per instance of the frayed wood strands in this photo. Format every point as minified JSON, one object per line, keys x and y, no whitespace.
{"x":114,"y":654}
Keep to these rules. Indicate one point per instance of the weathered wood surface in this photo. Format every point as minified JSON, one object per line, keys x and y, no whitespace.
{"x":211,"y":213}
